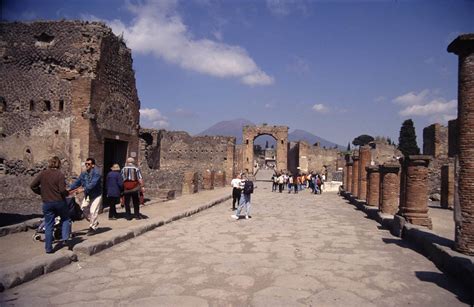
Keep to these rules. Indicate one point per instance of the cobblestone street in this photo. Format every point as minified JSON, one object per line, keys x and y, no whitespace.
{"x":296,"y":250}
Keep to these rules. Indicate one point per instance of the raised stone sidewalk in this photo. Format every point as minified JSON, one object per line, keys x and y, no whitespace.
{"x":436,"y":245}
{"x":23,"y":259}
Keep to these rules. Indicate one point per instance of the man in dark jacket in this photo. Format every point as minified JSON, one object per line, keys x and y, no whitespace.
{"x":114,"y":186}
{"x":51,"y":185}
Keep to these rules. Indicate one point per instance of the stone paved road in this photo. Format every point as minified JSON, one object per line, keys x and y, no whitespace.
{"x":297,"y":250}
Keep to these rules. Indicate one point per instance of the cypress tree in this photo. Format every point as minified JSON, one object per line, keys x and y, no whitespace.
{"x":407,"y":139}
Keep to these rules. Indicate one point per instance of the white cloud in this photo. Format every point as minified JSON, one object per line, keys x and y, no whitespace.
{"x":412,"y":98}
{"x":268,"y":106}
{"x":427,"y":103}
{"x":159,"y":30}
{"x":282,"y":8}
{"x":181,"y":112}
{"x":380,"y":99}
{"x":152,"y":118}
{"x":320,"y":108}
{"x":431,"y":108}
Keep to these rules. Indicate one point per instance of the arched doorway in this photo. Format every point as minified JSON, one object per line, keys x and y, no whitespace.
{"x":250,"y":133}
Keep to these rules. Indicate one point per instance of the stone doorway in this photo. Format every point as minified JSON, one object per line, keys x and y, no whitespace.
{"x":115,"y":151}
{"x":279,"y":133}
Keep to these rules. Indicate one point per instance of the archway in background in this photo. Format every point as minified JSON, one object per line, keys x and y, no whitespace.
{"x":279,"y":133}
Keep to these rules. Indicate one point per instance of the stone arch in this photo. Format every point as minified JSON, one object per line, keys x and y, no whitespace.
{"x":250,"y":133}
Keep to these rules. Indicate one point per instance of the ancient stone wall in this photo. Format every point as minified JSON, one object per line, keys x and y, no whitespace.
{"x":382,"y":152}
{"x":435,"y":144}
{"x":66,"y":87}
{"x":322,"y":160}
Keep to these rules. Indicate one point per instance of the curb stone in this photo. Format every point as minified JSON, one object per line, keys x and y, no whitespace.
{"x":21,"y":273}
{"x":20,"y":227}
{"x":432,"y":246}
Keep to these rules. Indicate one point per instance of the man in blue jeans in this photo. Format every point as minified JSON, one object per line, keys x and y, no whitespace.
{"x":51,"y":185}
{"x":247,"y":190}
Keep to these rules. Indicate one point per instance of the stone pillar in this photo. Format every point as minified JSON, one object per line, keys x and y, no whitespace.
{"x":415,"y":204}
{"x":355,"y":177}
{"x":208,"y":180}
{"x":389,"y":187}
{"x":219,"y":179}
{"x":349,"y":177}
{"x":373,"y":185}
{"x":190,"y":182}
{"x":364,"y":161}
{"x":447,"y":186}
{"x":347,"y":158}
{"x":463,"y":46}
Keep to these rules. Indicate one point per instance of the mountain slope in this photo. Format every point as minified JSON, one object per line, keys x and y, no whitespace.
{"x":228,"y":128}
{"x":234,"y":128}
{"x":302,"y":135}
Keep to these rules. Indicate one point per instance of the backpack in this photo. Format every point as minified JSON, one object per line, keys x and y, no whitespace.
{"x":248,"y":187}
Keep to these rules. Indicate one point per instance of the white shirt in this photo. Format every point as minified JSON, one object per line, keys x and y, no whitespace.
{"x":235,"y":183}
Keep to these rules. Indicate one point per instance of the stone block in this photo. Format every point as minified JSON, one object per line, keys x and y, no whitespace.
{"x":397,"y":226}
{"x":18,"y":274}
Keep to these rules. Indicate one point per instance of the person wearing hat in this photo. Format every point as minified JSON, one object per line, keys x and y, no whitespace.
{"x":114,"y":186}
{"x":133,"y":184}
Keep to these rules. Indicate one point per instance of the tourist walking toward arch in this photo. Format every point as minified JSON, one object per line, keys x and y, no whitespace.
{"x":90,"y":182}
{"x":51,"y":185}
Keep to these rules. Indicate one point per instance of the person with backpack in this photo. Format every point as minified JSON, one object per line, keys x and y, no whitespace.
{"x":245,"y":200}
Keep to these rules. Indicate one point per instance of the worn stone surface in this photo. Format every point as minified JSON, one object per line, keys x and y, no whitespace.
{"x":326,"y":254}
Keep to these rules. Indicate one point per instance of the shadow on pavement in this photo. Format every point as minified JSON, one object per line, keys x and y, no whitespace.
{"x":446,"y":282}
{"x":7,"y":219}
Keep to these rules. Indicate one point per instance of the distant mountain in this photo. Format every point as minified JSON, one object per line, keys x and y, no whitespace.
{"x":234,"y":128}
{"x":228,"y":128}
{"x":302,"y":135}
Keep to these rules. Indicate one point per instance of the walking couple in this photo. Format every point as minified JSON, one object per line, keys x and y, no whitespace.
{"x":241,"y":186}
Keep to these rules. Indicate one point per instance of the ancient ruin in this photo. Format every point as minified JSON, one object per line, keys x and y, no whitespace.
{"x":68,"y":89}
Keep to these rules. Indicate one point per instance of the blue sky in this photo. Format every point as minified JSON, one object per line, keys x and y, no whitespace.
{"x":337,"y":68}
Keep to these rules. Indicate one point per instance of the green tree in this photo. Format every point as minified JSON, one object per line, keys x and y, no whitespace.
{"x":362,"y":140}
{"x":349,"y":146}
{"x":407,"y":139}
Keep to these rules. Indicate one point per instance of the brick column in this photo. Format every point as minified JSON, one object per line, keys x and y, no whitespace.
{"x":373,"y":185}
{"x":355,"y":177}
{"x":389,"y":187}
{"x":447,"y":185}
{"x":349,"y":177}
{"x":347,"y":158}
{"x":364,"y":161}
{"x":463,"y":46}
{"x":208,"y":180}
{"x":415,"y":207}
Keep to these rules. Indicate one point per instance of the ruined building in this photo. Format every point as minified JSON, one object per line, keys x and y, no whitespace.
{"x":167,"y":156}
{"x":67,"y":89}
{"x":435,"y":144}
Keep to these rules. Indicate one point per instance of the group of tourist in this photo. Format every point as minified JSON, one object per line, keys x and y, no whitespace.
{"x":296,"y":183}
{"x":241,"y":185}
{"x":51,"y":185}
